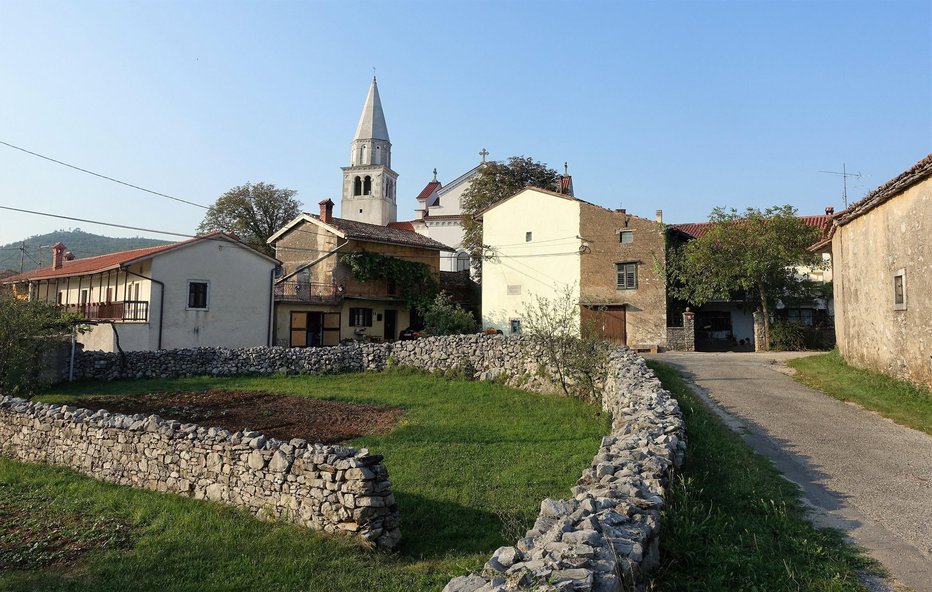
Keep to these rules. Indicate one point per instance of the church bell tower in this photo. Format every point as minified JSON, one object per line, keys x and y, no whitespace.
{"x":369,"y":181}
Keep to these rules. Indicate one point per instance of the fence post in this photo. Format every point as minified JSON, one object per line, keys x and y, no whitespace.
{"x":689,"y":330}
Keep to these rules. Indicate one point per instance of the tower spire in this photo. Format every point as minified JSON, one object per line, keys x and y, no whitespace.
{"x":372,"y":121}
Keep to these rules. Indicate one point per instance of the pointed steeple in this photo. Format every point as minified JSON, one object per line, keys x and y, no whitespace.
{"x":372,"y":121}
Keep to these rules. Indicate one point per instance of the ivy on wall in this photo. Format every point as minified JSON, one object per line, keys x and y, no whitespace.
{"x":416,"y":284}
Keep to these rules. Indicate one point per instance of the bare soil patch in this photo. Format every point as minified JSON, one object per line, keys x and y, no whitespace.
{"x":278,"y":416}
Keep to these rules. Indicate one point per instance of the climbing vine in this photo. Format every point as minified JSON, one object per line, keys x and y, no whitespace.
{"x":414,"y":280}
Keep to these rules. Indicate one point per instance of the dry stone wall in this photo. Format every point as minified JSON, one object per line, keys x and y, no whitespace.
{"x":602,"y":538}
{"x":328,"y":488}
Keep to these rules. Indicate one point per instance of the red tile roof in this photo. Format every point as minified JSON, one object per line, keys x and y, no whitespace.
{"x":698,"y":229}
{"x":91,"y":265}
{"x":353,"y":229}
{"x":402,"y":226}
{"x":428,"y":190}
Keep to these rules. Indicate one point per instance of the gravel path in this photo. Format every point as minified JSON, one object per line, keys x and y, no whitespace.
{"x":858,"y":471}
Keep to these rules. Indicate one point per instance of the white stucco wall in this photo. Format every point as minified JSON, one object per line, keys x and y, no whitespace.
{"x":521,"y":269}
{"x":239,"y":296}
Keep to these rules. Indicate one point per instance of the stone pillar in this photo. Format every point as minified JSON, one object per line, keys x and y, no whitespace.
{"x":689,"y":330}
{"x":760,"y":332}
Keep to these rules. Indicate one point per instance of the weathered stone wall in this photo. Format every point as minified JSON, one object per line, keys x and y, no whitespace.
{"x":604,"y":537}
{"x":683,"y":338}
{"x":329,"y":488}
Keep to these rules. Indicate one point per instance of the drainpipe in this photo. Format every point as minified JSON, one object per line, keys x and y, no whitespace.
{"x":268,"y":336}
{"x":74,"y":330}
{"x":161,"y":298}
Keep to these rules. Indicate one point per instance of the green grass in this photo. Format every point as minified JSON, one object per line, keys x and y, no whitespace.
{"x":733,"y":523}
{"x":469,"y":464}
{"x":900,"y":401}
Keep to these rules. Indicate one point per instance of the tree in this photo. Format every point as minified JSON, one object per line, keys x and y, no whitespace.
{"x":445,"y":317}
{"x":253,"y":213}
{"x":748,"y":255}
{"x":566,"y":345}
{"x":494,"y":182}
{"x":27,"y":329}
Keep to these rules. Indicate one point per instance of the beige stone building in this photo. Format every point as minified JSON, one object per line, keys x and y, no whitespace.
{"x":882,"y":258}
{"x":208,"y":291}
{"x":318,"y":301}
{"x":540,"y":243}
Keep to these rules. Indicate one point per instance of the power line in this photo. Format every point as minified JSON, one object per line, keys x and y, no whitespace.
{"x":95,"y":222}
{"x":77,"y":168}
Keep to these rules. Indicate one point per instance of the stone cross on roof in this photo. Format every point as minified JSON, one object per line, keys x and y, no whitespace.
{"x":483,"y":153}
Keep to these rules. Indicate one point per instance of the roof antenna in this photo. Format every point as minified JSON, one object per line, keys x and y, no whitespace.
{"x":566,"y":168}
{"x":844,"y":179}
{"x":373,"y":73}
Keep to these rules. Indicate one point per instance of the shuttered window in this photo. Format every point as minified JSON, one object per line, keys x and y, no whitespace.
{"x":627,"y":276}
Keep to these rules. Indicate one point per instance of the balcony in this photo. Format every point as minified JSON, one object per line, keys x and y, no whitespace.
{"x":307,"y":292}
{"x":130,"y":310}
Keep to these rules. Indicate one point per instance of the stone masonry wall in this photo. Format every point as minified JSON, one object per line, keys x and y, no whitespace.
{"x":329,"y":488}
{"x":603,"y":538}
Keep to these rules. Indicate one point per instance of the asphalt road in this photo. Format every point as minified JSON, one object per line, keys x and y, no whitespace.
{"x":859,"y":472}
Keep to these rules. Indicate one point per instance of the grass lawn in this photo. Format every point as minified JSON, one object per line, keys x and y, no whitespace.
{"x":733,"y":523}
{"x":898,"y":400}
{"x":469,"y":463}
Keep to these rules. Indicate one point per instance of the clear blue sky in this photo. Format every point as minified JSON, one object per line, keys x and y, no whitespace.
{"x":682,"y":106}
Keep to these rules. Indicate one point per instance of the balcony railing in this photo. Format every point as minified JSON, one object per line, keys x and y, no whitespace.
{"x":307,"y":292}
{"x":130,"y":310}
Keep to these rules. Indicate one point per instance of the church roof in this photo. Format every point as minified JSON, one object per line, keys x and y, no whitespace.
{"x":372,"y":121}
{"x":429,"y":189}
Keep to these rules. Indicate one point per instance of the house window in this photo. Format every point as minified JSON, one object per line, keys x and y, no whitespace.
{"x":528,"y":236}
{"x":515,"y":325}
{"x":462,"y":261}
{"x":627,"y":276}
{"x":197,"y":295}
{"x":801,"y":316}
{"x":514,"y":289}
{"x":360,"y":317}
{"x":899,"y":289}
{"x":625,"y":237}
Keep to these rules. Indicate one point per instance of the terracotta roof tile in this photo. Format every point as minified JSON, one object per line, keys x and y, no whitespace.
{"x":384,"y":234}
{"x":429,"y":189}
{"x":698,"y":229}
{"x":402,"y":226}
{"x":91,"y":265}
{"x":918,"y":172}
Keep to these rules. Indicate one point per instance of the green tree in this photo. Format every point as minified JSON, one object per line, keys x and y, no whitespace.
{"x":495,"y":182}
{"x":744,"y":255}
{"x":253,"y":212}
{"x":567,"y":346}
{"x":27,"y":329}
{"x":445,"y":317}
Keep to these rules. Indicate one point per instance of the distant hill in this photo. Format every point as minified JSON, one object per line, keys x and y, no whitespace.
{"x":82,"y":244}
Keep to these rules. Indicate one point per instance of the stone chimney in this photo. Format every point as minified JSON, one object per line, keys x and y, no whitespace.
{"x":659,"y":216}
{"x":326,"y":210}
{"x":58,"y":255}
{"x":829,"y":210}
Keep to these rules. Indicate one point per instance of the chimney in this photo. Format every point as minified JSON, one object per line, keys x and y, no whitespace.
{"x":659,"y":216}
{"x":58,"y":255}
{"x":829,"y":210}
{"x":622,"y":211}
{"x":326,"y":210}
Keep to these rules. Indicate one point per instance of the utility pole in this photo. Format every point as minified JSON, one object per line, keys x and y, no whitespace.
{"x":22,"y":256}
{"x":844,"y":180}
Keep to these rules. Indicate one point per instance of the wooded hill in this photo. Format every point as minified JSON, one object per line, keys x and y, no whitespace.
{"x":82,"y":244}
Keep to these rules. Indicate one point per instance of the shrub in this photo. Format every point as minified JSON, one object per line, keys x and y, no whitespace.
{"x":444,"y":317}
{"x":27,"y":329}
{"x":787,"y":336}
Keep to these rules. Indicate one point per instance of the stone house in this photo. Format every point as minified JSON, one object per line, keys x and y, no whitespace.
{"x":882,"y":260}
{"x":211,"y":290}
{"x":541,"y":243}
{"x":318,"y":300}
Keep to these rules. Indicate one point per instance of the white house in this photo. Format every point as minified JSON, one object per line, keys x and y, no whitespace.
{"x":207,"y":291}
{"x":439,"y":216}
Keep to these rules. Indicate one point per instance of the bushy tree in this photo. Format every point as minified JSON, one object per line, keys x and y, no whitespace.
{"x":253,"y":212}
{"x":567,"y":346}
{"x":494,"y":182}
{"x":445,"y":317}
{"x":744,"y":255}
{"x":27,"y":329}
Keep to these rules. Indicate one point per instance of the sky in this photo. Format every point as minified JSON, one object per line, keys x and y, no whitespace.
{"x":679,"y":106}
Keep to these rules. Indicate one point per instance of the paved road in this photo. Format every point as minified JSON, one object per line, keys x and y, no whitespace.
{"x":860,"y":472}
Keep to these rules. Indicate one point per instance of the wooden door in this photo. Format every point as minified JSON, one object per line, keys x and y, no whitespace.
{"x":607,"y":322}
{"x":331,"y":328}
{"x":390,"y":333}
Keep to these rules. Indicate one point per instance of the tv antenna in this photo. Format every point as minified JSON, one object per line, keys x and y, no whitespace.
{"x":844,"y":180}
